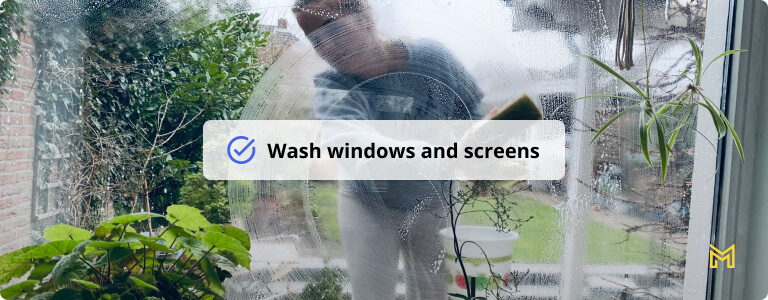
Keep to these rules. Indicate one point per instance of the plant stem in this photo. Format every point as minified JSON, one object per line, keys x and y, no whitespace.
{"x":456,"y":248}
{"x":174,"y":263}
{"x":190,"y":270}
{"x":166,"y":229}
{"x":645,"y":50}
{"x":97,"y":270}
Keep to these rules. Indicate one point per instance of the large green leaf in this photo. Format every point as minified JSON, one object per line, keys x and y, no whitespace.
{"x":13,"y":264}
{"x":172,"y":233}
{"x":69,"y":267}
{"x":19,"y":289}
{"x":106,"y":245}
{"x":224,"y":242}
{"x":133,"y":218}
{"x":234,"y":232}
{"x":138,"y":240}
{"x":87,"y":284}
{"x":222,"y":262}
{"x":211,"y":276}
{"x":52,"y":249}
{"x":143,"y":284}
{"x":42,"y":270}
{"x":155,"y":246}
{"x":65,"y":232}
{"x":186,"y":217}
{"x":193,"y":246}
{"x":105,"y":229}
{"x":139,"y":236}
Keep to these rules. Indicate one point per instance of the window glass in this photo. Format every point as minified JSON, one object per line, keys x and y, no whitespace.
{"x":106,"y":112}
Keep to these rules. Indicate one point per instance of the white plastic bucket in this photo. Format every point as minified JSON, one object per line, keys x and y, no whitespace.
{"x":498,"y":247}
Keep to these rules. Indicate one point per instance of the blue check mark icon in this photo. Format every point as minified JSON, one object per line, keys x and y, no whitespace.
{"x":239,"y":153}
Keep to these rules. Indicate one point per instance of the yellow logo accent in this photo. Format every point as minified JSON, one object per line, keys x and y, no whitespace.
{"x":729,"y":256}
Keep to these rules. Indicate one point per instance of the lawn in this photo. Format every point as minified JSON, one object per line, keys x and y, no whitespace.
{"x":540,"y":238}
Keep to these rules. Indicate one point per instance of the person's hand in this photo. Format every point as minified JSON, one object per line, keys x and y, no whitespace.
{"x":491,"y":113}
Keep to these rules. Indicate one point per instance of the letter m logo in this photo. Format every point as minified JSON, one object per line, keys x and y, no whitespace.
{"x":729,"y":256}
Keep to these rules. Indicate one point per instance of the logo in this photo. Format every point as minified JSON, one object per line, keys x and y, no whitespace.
{"x":238,"y":156}
{"x":729,"y":256}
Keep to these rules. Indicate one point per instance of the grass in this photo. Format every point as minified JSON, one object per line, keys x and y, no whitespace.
{"x":540,"y":239}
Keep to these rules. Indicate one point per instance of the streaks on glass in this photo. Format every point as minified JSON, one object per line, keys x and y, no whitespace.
{"x":394,"y":59}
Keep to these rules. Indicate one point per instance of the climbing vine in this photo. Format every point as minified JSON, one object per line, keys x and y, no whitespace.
{"x":126,"y":98}
{"x":11,"y":24}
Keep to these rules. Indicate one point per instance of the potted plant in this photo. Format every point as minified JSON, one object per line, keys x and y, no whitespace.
{"x":479,"y":258}
{"x":115,"y":262}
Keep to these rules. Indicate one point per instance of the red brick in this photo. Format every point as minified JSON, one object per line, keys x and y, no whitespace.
{"x":13,"y":154}
{"x":24,"y":38}
{"x":21,"y":199}
{"x":22,"y":73}
{"x":8,"y":213}
{"x":25,"y":61}
{"x":14,"y":189}
{"x":7,"y":179}
{"x":18,"y":96}
{"x":29,"y":120}
{"x":17,"y":222}
{"x":22,"y":165}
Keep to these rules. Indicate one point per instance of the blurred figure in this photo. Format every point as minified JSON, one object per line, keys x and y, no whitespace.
{"x":375,"y":78}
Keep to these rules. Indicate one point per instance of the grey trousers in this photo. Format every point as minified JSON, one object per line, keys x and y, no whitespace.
{"x":376,"y":237}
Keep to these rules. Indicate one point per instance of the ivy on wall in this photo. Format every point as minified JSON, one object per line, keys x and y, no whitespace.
{"x":11,"y":24}
{"x":126,"y":92}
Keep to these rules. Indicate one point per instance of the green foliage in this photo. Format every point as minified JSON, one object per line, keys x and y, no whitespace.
{"x":11,"y":25}
{"x":324,"y":286}
{"x":113,"y":262}
{"x":669,"y":117}
{"x":62,"y":232}
{"x":209,"y":196}
{"x":128,"y":97}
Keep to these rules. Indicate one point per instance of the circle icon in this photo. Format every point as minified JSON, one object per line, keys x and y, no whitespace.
{"x":239,"y":158}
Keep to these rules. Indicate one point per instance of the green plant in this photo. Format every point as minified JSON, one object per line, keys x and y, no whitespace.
{"x":187,"y":260}
{"x":488,"y":199}
{"x":668,"y":117}
{"x":11,"y":24}
{"x":209,"y":196}
{"x":127,"y":97}
{"x":324,"y":286}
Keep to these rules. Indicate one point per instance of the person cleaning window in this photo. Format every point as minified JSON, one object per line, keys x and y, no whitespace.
{"x":371,"y":77}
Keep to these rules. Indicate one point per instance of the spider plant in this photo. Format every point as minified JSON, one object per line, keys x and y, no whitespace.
{"x":656,"y":115}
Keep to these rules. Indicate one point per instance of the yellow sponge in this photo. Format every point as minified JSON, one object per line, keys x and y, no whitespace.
{"x":521,"y":109}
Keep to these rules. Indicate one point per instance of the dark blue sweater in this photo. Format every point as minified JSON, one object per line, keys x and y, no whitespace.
{"x":432,"y":85}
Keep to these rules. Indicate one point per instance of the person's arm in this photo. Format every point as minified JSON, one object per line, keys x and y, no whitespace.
{"x":436,"y":60}
{"x":465,"y":87}
{"x":336,"y":99}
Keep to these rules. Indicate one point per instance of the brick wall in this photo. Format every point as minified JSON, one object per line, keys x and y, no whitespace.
{"x":17,"y":149}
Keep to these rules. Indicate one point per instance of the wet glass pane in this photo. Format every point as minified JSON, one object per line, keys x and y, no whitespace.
{"x":105,"y":117}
